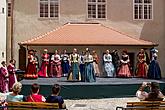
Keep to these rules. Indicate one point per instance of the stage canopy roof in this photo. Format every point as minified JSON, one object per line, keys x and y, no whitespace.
{"x":85,"y":34}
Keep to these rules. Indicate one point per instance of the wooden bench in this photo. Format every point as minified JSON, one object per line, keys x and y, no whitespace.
{"x":32,"y":106}
{"x":142,"y":105}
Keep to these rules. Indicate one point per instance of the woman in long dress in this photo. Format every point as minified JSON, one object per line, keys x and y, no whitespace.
{"x":4,"y":81}
{"x":124,"y":70}
{"x":74,"y":74}
{"x":154,"y":71}
{"x":115,"y":61}
{"x":96,"y":63}
{"x":82,"y":66}
{"x":108,"y":66}
{"x":89,"y":69}
{"x":142,"y":67}
{"x":31,"y":71}
{"x":43,"y":72}
{"x":65,"y":63}
{"x":12,"y":76}
{"x":55,"y":68}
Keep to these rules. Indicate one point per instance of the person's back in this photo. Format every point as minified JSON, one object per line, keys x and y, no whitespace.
{"x":35,"y":97}
{"x":154,"y":94}
{"x":54,"y":98}
{"x":14,"y":95}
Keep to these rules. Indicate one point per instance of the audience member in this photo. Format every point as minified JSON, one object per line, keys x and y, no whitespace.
{"x":55,"y":98}
{"x":35,"y":97}
{"x":14,"y":95}
{"x":154,"y":93}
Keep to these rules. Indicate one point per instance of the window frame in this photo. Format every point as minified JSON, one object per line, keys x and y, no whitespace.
{"x":148,"y":4}
{"x":97,"y":3}
{"x":49,"y":18}
{"x":9,"y":2}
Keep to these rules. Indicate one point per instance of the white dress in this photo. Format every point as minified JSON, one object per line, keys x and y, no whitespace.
{"x":108,"y":66}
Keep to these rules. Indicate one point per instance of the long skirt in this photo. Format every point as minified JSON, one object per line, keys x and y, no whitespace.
{"x":89,"y":73}
{"x":109,"y":69}
{"x":96,"y":69}
{"x":82,"y":71}
{"x":65,"y":68}
{"x":74,"y":74}
{"x":2,"y":84}
{"x":124,"y":71}
{"x":31,"y":71}
{"x":12,"y":80}
{"x":43,"y":72}
{"x":154,"y":71}
{"x":55,"y":70}
{"x":142,"y":69}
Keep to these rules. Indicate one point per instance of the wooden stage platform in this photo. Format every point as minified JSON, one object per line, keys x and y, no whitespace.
{"x":102,"y":88}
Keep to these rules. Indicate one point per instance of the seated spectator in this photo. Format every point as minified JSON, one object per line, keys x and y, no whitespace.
{"x":141,"y":94}
{"x":2,"y":99}
{"x":55,"y":98}
{"x":14,"y":95}
{"x":35,"y":97}
{"x":154,"y":93}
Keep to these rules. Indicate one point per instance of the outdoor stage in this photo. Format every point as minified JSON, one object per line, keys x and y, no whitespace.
{"x":102,"y":88}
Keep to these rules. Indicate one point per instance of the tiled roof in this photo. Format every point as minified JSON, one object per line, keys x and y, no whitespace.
{"x":85,"y":34}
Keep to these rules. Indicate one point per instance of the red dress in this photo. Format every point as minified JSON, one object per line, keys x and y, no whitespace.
{"x":55,"y":69}
{"x":142,"y":67}
{"x":12,"y":76}
{"x":43,"y":72}
{"x":4,"y":80}
{"x":35,"y":98}
{"x":31,"y":71}
{"x":124,"y":70}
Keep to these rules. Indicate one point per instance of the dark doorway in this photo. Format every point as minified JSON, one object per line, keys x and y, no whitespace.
{"x":132,"y":62}
{"x":22,"y":58}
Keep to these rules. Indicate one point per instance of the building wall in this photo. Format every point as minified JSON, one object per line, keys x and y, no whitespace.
{"x":27,"y":23}
{"x":3,"y":30}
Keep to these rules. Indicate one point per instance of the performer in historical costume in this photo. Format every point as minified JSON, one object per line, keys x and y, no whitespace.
{"x":65,"y":63}
{"x":4,"y":81}
{"x":142,"y":67}
{"x":115,"y":60}
{"x":36,"y":60}
{"x":154,"y":68}
{"x":96,"y":63}
{"x":82,"y":66}
{"x":43,"y":72}
{"x":31,"y":71}
{"x":74,"y":74}
{"x":108,"y":66}
{"x":124,"y":70}
{"x":89,"y":69}
{"x":55,"y":68}
{"x":12,"y":76}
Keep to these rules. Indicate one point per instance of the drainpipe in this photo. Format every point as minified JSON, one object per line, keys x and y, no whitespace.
{"x":12,"y":30}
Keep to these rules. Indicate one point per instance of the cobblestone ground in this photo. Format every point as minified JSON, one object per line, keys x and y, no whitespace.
{"x":98,"y":104}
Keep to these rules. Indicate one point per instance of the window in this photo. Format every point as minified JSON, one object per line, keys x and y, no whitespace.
{"x":49,"y":8}
{"x":9,"y":9}
{"x":143,"y":9}
{"x":97,"y":9}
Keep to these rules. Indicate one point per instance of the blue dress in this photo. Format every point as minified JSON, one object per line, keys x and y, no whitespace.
{"x":65,"y":64}
{"x":74,"y":74}
{"x":89,"y":69}
{"x":154,"y":71}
